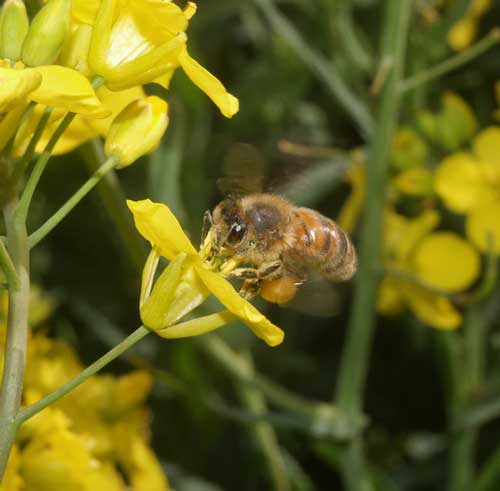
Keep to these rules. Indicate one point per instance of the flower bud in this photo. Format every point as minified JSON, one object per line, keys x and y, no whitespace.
{"x":137,"y":130}
{"x":76,"y":48}
{"x":47,"y":33}
{"x":14,"y":25}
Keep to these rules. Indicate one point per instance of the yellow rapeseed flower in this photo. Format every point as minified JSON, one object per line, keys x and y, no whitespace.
{"x":187,"y":282}
{"x":462,"y":34}
{"x":136,"y":130}
{"x":140,"y":41}
{"x":423,"y":267}
{"x":469,"y":183}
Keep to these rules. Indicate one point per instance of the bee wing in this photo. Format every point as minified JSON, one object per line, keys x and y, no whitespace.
{"x":318,"y":297}
{"x":244,"y":169}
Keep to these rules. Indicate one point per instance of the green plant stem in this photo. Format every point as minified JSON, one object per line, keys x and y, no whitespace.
{"x":8,"y":267}
{"x":467,"y":371}
{"x":488,"y":477}
{"x":17,"y":332}
{"x":356,"y":52}
{"x":263,"y":431}
{"x":356,"y":352}
{"x":60,"y":214}
{"x":129,"y":341}
{"x":40,"y":164}
{"x":113,"y":198}
{"x":321,"y":67}
{"x":452,"y":63}
{"x":30,"y":150}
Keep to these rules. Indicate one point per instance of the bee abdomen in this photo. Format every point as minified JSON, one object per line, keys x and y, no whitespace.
{"x":326,"y":245}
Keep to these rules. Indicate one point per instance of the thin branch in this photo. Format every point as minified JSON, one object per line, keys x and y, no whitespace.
{"x":452,"y":63}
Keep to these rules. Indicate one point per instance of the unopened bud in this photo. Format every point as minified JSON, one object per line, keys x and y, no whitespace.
{"x":14,"y":25}
{"x":137,"y":130}
{"x":47,"y":33}
{"x":76,"y":48}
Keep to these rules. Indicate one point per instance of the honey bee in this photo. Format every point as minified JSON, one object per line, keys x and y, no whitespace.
{"x":282,"y":245}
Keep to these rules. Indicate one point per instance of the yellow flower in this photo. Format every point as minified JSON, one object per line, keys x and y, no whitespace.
{"x":15,"y":87}
{"x":137,"y":130}
{"x":82,"y":128}
{"x":464,"y":31}
{"x":469,"y":183}
{"x":451,"y":126}
{"x":420,"y":265}
{"x":187,"y":281}
{"x":140,"y":41}
{"x":408,"y":149}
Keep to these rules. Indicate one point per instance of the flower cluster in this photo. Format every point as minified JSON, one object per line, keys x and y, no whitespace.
{"x":92,"y":59}
{"x":94,"y":438}
{"x":427,"y":266}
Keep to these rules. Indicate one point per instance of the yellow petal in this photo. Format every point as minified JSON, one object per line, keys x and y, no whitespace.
{"x":68,"y":89}
{"x":77,"y":133}
{"x":459,"y":182}
{"x":409,"y":149}
{"x":137,"y":130}
{"x":226,"y":102}
{"x":483,"y":226}
{"x":9,"y":124}
{"x":85,"y":11}
{"x":486,"y":145}
{"x":389,"y":297}
{"x":158,"y":224}
{"x":351,"y":209}
{"x":416,"y":182}
{"x":154,"y":310}
{"x":196,"y":327}
{"x":432,"y":309}
{"x":401,"y":234}
{"x":445,"y":261}
{"x":462,"y":33}
{"x":16,"y":85}
{"x":190,"y":10}
{"x":227,"y":295}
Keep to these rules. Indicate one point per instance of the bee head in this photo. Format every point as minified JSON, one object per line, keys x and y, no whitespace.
{"x":229,"y":225}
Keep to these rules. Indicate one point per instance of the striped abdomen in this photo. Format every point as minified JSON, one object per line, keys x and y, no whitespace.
{"x":323,"y":245}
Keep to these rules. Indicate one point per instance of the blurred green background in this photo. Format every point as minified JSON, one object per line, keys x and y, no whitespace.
{"x":204,"y":428}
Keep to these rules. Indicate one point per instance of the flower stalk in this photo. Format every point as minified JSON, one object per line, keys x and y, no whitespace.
{"x":17,"y":332}
{"x":60,"y":214}
{"x":355,"y":356}
{"x":92,"y":369}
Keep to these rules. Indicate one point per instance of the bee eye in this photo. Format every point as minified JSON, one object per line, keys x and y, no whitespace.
{"x":236,"y":234}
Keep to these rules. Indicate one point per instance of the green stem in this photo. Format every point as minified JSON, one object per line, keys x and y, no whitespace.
{"x":30,"y":151}
{"x":452,"y":63}
{"x":8,"y":267}
{"x":263,"y":431}
{"x":17,"y":333}
{"x":355,"y":356}
{"x":40,"y":167}
{"x":113,"y":198}
{"x":323,"y":69}
{"x":30,"y":411}
{"x":60,"y":214}
{"x":489,"y":476}
{"x":468,"y":374}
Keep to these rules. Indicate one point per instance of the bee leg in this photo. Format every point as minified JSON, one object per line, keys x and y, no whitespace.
{"x":245,"y":273}
{"x":207,"y":224}
{"x":249,"y":289}
{"x":270,"y":271}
